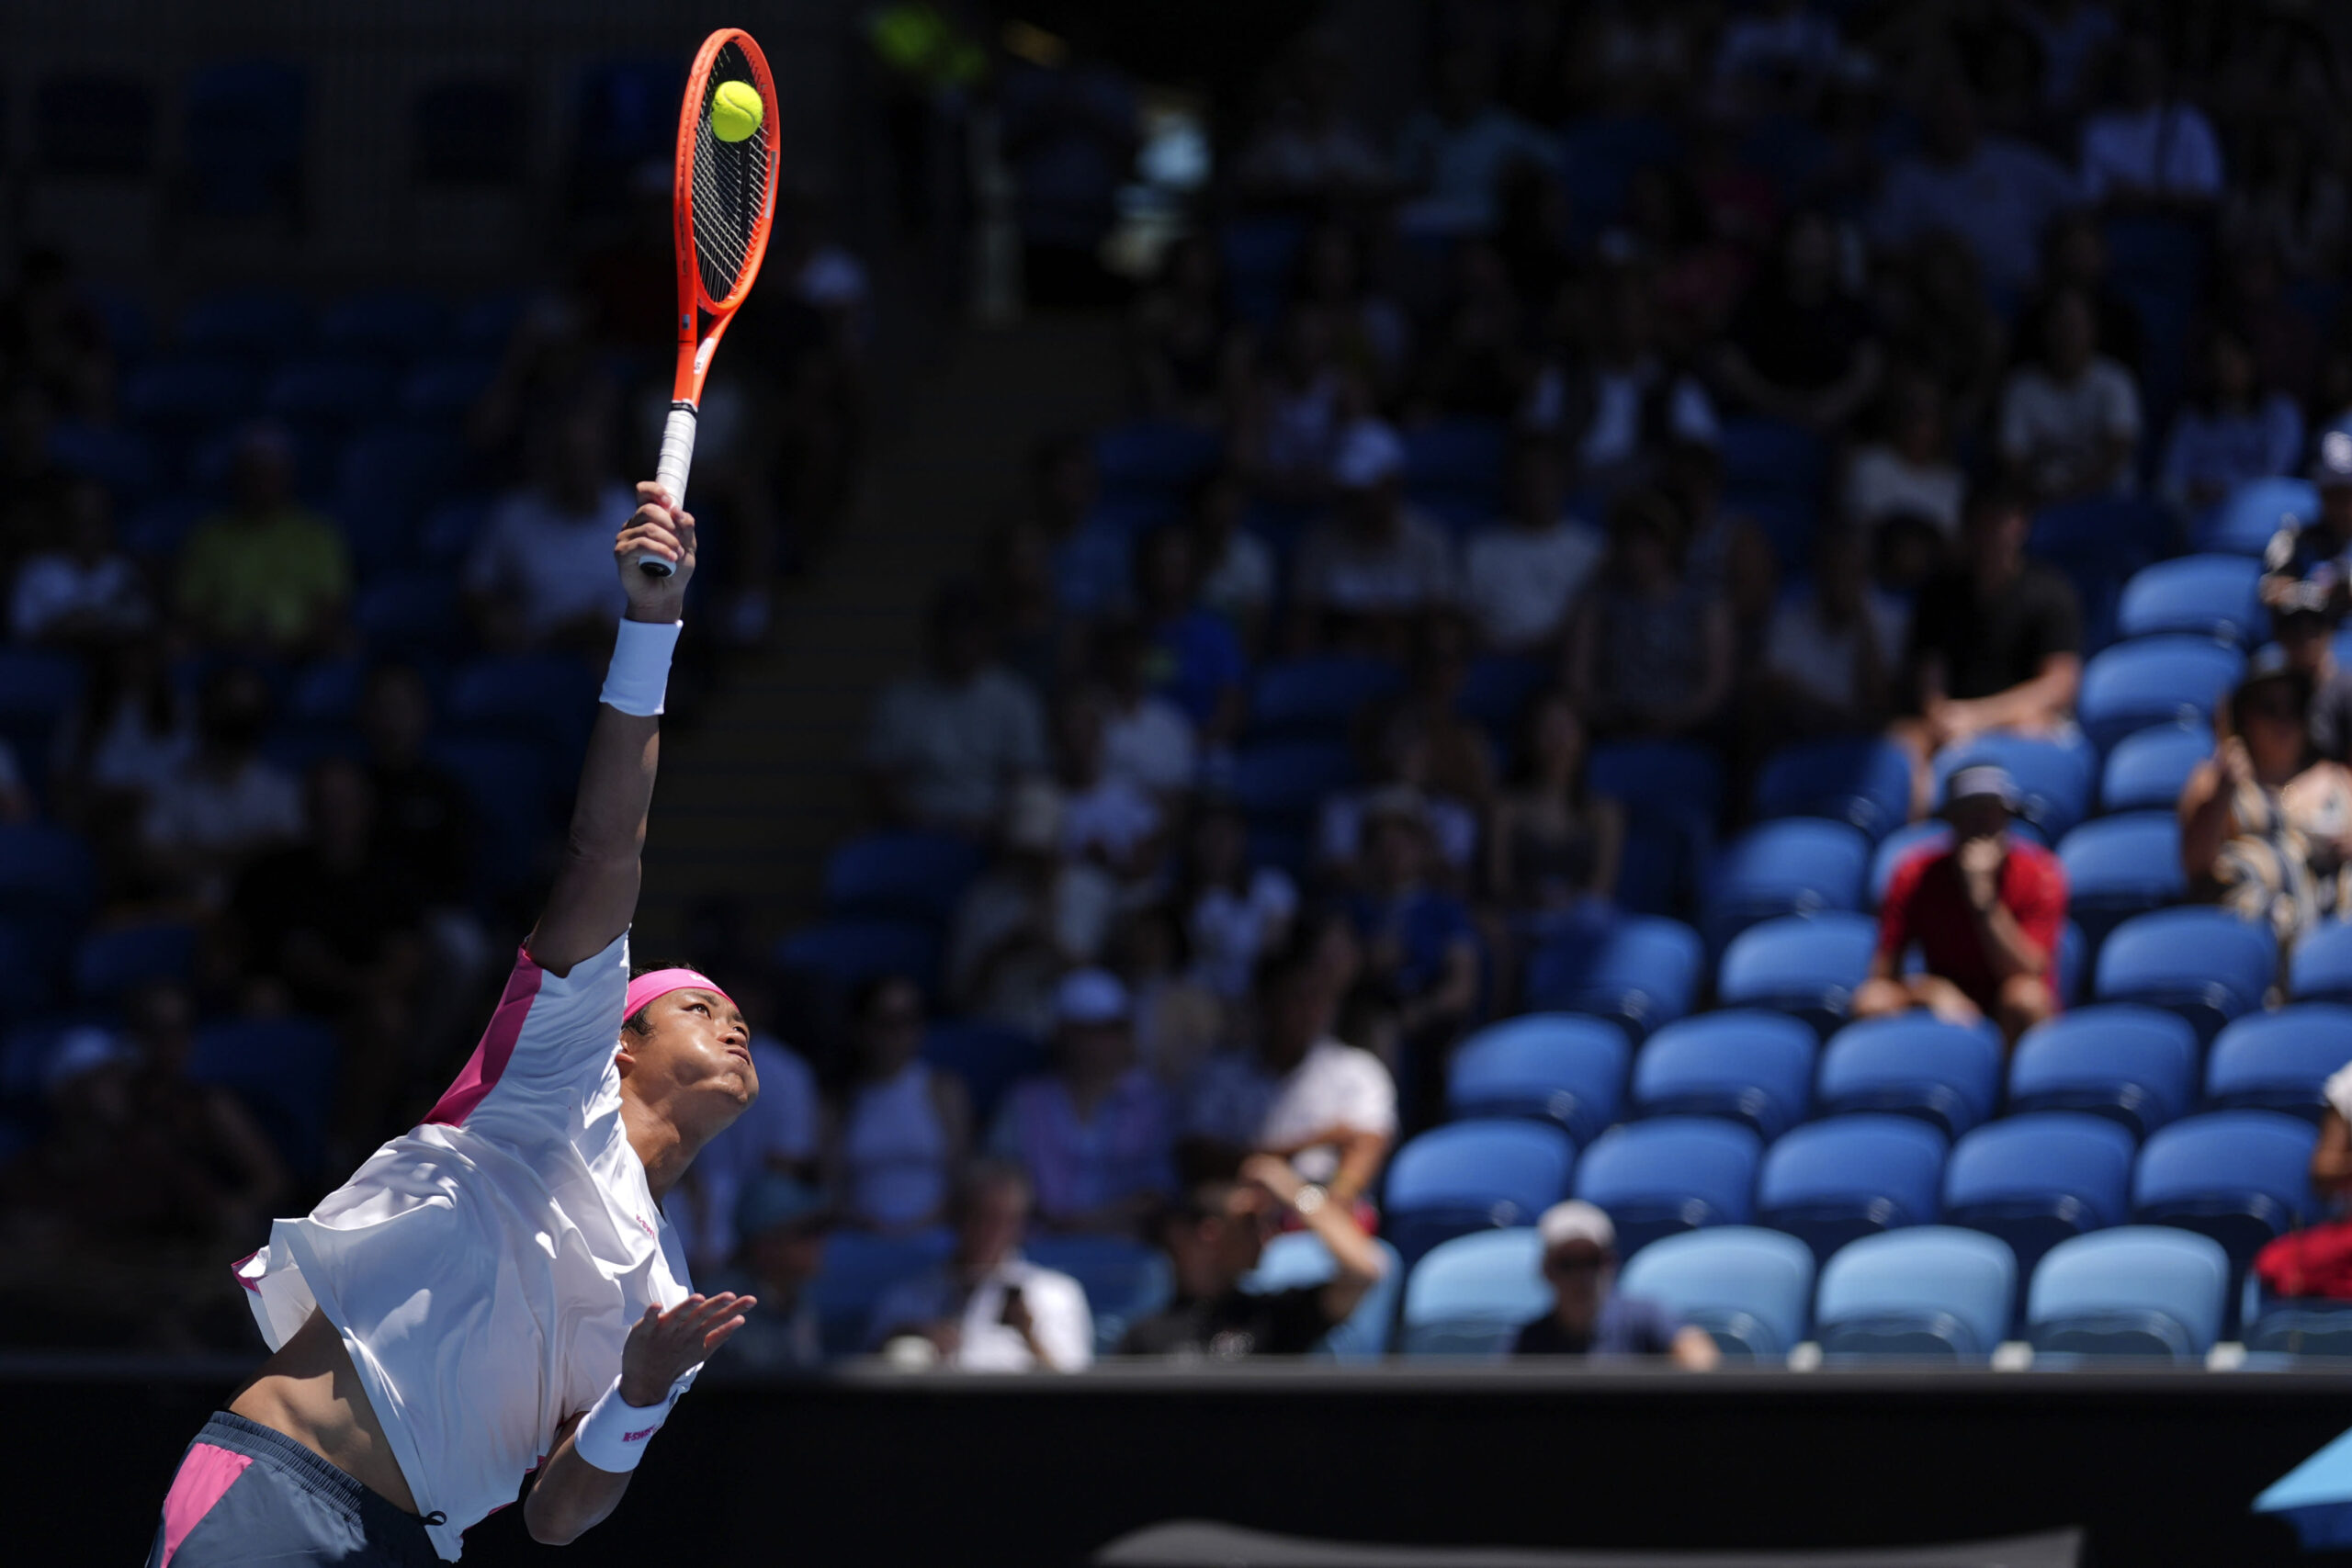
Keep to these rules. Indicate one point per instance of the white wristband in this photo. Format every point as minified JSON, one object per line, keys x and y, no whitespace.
{"x":614,"y":1433}
{"x":639,"y":677}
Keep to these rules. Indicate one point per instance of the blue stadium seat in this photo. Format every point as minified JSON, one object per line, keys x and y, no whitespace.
{"x":38,"y":686}
{"x":1598,"y":157}
{"x":246,"y":324}
{"x":1154,"y":455}
{"x":1750,"y":1289}
{"x":2135,"y":1066}
{"x":2244,"y":524}
{"x":157,"y":528}
{"x":242,"y":133}
{"x":547,"y":698}
{"x":2056,"y":778}
{"x":122,"y":461}
{"x":2157,"y":680}
{"x":1124,"y":1280}
{"x":1752,"y":1067}
{"x":1671,"y":792}
{"x":509,"y":785}
{"x":1798,"y":865}
{"x":860,"y":1266}
{"x":1497,"y":688}
{"x":1830,"y":1182}
{"x":1807,"y":968}
{"x":1457,"y":455}
{"x":188,"y":393}
{"x":2209,"y":596}
{"x":399,"y":322}
{"x":2279,"y":1061}
{"x":94,"y":126}
{"x":1772,"y":457}
{"x":446,"y":389}
{"x":2321,"y":969}
{"x":450,"y":528}
{"x":1470,"y":1176}
{"x":484,"y":323}
{"x":328,"y":396}
{"x":110,"y":963}
{"x":1948,"y":1075}
{"x":46,"y":876}
{"x":1929,"y":1293}
{"x":1280,"y":782}
{"x":2240,"y":1177}
{"x":1470,"y":1296}
{"x":409,"y":613}
{"x":2133,"y":1291}
{"x":284,"y":1069}
{"x":1865,"y":783}
{"x":2098,"y":543}
{"x":849,"y":953}
{"x":388,"y":479}
{"x":2300,"y":1327}
{"x":627,"y":111}
{"x":1300,"y":1258}
{"x":2147,"y":770}
{"x":2204,"y":964}
{"x":2036,"y":1179}
{"x":1675,"y":1173}
{"x":910,"y":875}
{"x":1322,"y":696}
{"x":1642,"y":971}
{"x":1920,"y":838}
{"x":988,"y":1058}
{"x":1558,"y":1067}
{"x":327,"y":692}
{"x":2120,"y":866}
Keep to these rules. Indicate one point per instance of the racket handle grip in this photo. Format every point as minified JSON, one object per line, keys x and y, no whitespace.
{"x":670,"y":471}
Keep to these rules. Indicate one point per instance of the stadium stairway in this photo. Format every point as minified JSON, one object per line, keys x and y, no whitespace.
{"x":765,"y":783}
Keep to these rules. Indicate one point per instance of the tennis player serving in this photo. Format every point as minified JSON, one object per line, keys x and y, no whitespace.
{"x":494,"y":1293}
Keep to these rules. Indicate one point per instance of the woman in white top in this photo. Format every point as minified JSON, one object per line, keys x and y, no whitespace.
{"x":904,"y":1129}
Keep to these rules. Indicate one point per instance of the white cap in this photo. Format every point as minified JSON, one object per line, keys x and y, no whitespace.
{"x":1576,"y":1220}
{"x":1370,"y":452}
{"x":1089,"y":997}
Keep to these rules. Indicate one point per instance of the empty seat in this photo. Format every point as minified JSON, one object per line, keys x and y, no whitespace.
{"x":284,"y":1069}
{"x":1830,"y":1182}
{"x":2147,"y":770}
{"x":2157,"y":680}
{"x":1154,"y":455}
{"x":547,"y":698}
{"x":1301,"y":1258}
{"x":1748,"y":1065}
{"x":859,"y":1265}
{"x":849,"y":952}
{"x":246,"y":323}
{"x":1640,"y":971}
{"x":2135,"y":1066}
{"x":506,"y":782}
{"x":122,"y":461}
{"x":444,"y":389}
{"x":1284,"y":781}
{"x":1124,"y":1280}
{"x":2212,"y":596}
{"x":2205,"y":965}
{"x":1672,"y":792}
{"x":188,"y":393}
{"x":2133,"y":1291}
{"x":2240,"y":1177}
{"x":1473,"y":1176}
{"x":386,"y":481}
{"x":328,"y":395}
{"x":2298,"y":1327}
{"x":988,"y":1058}
{"x":2033,"y":1180}
{"x":1321,"y":695}
{"x":1554,"y":1067}
{"x":1674,"y":1173}
{"x":1864,"y":782}
{"x":2245,"y":522}
{"x":112,"y":963}
{"x":1795,"y":866}
{"x":1750,"y":1289}
{"x":2280,"y":1061}
{"x":2321,"y":969}
{"x":1808,"y":968}
{"x":411,"y":612}
{"x":1457,"y":456}
{"x":2054,"y":778}
{"x":1914,"y":1063}
{"x":910,"y":875}
{"x":1470,"y":1296}
{"x":1932,"y":1291}
{"x":2120,"y":866}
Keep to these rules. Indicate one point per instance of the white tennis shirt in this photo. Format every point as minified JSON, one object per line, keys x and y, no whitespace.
{"x":484,"y":1268}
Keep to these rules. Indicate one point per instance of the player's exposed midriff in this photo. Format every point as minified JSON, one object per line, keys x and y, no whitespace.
{"x":311,"y":1392}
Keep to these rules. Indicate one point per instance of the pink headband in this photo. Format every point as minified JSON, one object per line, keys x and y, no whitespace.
{"x":654,"y":986}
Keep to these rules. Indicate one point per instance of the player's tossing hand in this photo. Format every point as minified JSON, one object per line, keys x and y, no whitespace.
{"x":663,"y":1346}
{"x":656,"y":528}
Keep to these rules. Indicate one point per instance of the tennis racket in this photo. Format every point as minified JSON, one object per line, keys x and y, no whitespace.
{"x":720,"y":208}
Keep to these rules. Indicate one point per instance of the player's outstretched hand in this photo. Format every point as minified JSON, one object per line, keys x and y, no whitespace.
{"x":663,"y":1346}
{"x":656,"y":528}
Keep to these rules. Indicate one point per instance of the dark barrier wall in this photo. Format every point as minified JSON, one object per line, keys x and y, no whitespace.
{"x":876,"y":1470}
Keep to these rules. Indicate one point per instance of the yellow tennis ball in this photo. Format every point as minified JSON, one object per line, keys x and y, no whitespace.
{"x":736,"y":111}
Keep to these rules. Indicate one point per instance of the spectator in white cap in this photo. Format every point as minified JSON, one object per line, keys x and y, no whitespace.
{"x":1372,"y":564}
{"x":2315,"y":549}
{"x":1094,"y":1134}
{"x":1036,"y":915}
{"x":1587,"y":1317}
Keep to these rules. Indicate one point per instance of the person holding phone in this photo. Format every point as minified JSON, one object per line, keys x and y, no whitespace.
{"x":987,"y":1308}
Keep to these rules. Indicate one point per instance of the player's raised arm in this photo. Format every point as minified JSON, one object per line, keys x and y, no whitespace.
{"x":595,"y":893}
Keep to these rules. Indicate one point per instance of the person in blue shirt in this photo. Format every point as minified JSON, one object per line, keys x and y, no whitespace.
{"x":1587,"y":1317}
{"x":1420,"y":947}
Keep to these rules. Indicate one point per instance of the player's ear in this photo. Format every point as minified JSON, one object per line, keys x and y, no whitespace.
{"x":623,"y":1056}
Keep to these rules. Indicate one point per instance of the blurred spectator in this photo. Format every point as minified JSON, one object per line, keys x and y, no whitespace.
{"x":1696,"y":250}
{"x":777,"y":1135}
{"x":1145,"y":737}
{"x":1194,"y":659}
{"x":132,"y":731}
{"x":541,"y":573}
{"x":1996,"y":639}
{"x":2285,"y":336}
{"x":1237,"y":913}
{"x":2289,"y":203}
{"x":948,"y":741}
{"x":1461,"y":754}
{"x":1421,"y":946}
{"x":1999,"y":194}
{"x":1071,"y":131}
{"x":268,"y":574}
{"x":1551,"y":844}
{"x":2318,"y":551}
{"x":1297,"y":1093}
{"x":1587,"y":1317}
{"x":1907,"y":475}
{"x":424,"y":818}
{"x":1374,"y":562}
{"x":1179,"y":343}
{"x":1522,"y":574}
{"x":1033,"y":641}
{"x":1802,"y":349}
{"x":1943,"y":332}
{"x":222,"y":806}
{"x":1830,"y":656}
{"x":17,"y":802}
{"x":1477,"y":364}
{"x":1095,"y":1135}
{"x":988,"y":1309}
{"x":1370,"y":336}
{"x":1216,"y":1234}
{"x":1092,"y":572}
{"x":2074,"y":35}
{"x":1034,"y":916}
{"x":1307,"y":149}
{"x":1783,"y":46}
{"x":1177,"y":1021}
{"x":784,"y":1223}
{"x":1649,"y":651}
{"x":2070,"y":421}
{"x":2074,"y":259}
{"x":1237,"y":566}
{"x":2304,"y":628}
{"x":1293,"y":405}
{"x":1986,"y":913}
{"x":1450,"y":156}
{"x":1398,"y":752}
{"x":79,"y":592}
{"x":1615,"y":410}
{"x":903,"y":1128}
{"x":2265,"y":828}
{"x":1108,"y":819}
{"x":2235,"y":429}
{"x":2149,"y":148}
{"x":50,"y":337}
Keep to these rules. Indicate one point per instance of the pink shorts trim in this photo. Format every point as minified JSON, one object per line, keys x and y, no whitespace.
{"x":204,"y":1478}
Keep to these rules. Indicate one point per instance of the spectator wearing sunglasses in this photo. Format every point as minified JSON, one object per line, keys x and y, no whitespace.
{"x":1588,"y":1317}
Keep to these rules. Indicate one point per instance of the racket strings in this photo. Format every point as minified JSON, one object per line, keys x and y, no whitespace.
{"x":730,"y":185}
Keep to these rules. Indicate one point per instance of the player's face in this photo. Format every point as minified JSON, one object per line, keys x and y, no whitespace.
{"x":695,"y":1044}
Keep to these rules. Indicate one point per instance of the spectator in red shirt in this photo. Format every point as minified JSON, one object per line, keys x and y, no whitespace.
{"x":1985,"y":914}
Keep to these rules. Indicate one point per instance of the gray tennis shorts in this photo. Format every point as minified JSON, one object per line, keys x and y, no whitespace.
{"x":246,"y":1493}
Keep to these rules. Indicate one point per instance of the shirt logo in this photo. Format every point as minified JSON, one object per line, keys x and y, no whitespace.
{"x":639,"y":1437}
